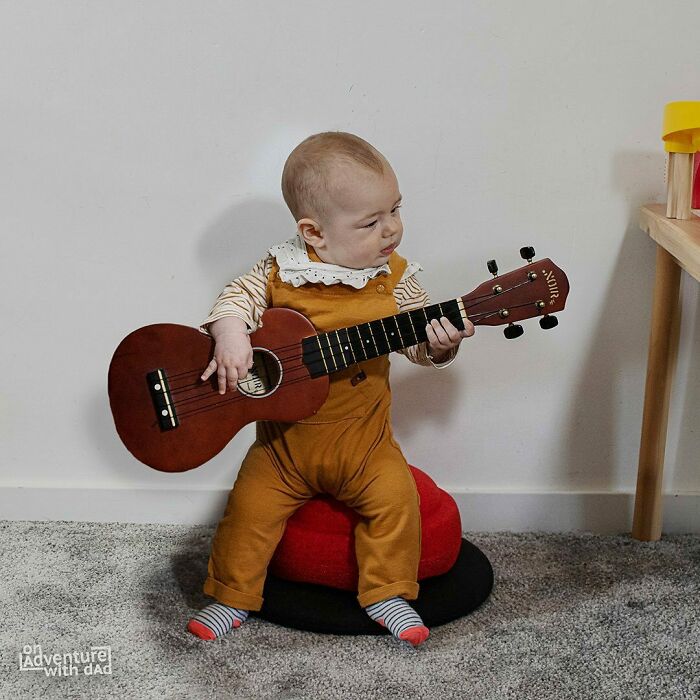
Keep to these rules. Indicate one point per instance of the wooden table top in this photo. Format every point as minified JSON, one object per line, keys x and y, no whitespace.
{"x":680,"y":237}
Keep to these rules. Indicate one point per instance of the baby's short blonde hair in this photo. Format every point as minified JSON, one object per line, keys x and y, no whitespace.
{"x":309,"y":169}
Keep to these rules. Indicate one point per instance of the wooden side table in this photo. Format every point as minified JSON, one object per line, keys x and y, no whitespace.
{"x":678,"y":247}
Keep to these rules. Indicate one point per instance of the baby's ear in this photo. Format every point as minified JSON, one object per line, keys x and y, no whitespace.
{"x":310,"y":231}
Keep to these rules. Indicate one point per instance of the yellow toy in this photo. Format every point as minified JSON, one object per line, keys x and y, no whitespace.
{"x":681,"y":134}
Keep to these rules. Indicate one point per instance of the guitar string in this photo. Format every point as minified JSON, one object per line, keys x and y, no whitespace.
{"x":277,"y":350}
{"x":184,"y":388}
{"x":338,"y":352}
{"x":208,"y":393}
{"x":455,"y":313}
{"x":206,"y":388}
{"x":239,"y":396}
{"x":475,"y":300}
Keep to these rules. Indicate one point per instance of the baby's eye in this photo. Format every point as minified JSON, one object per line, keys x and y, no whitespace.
{"x":370,"y":225}
{"x":398,"y":206}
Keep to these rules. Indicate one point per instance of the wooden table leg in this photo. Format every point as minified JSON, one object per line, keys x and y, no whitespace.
{"x":663,"y":351}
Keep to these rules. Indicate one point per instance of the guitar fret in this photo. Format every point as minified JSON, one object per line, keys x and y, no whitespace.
{"x":405,"y":329}
{"x":330,"y":353}
{"x":334,"y":353}
{"x":403,"y":342}
{"x":391,"y":318}
{"x":373,"y":340}
{"x":363,"y":345}
{"x":320,"y":349}
{"x":451,"y":311}
{"x":359,"y":335}
{"x":412,"y":326}
{"x":462,"y":311}
{"x":386,"y":335}
{"x":342,"y":350}
{"x":381,"y":337}
{"x":432,"y":312}
{"x":421,"y":335}
{"x":352,"y":350}
{"x":453,"y":308}
{"x":352,"y":342}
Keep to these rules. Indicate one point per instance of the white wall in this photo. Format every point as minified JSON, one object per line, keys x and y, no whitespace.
{"x":142,"y":145}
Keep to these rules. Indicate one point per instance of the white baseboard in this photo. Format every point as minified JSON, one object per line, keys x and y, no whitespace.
{"x":603,"y":513}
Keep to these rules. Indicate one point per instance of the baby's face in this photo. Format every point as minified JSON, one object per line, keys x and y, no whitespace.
{"x":364,"y":225}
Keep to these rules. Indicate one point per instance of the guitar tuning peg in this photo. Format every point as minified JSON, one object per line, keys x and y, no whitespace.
{"x":513,"y":330}
{"x":527,"y":253}
{"x":547,"y":322}
{"x":493,"y":267}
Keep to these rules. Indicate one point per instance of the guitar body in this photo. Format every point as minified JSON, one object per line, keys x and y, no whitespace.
{"x":171,"y":420}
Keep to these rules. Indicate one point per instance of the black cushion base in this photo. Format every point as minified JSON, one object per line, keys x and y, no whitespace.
{"x":441,"y":599}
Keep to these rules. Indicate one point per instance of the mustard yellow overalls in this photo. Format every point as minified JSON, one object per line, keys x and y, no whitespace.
{"x":346,"y":450}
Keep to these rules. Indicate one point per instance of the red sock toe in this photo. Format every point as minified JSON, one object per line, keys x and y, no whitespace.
{"x":415,"y":635}
{"x":201,"y":631}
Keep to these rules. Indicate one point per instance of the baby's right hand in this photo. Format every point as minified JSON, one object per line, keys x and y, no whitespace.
{"x":233,"y":357}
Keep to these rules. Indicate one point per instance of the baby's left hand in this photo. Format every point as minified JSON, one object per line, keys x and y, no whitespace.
{"x":443,"y":336}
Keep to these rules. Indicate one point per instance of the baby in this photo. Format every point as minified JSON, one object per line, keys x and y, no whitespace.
{"x":340,"y":269}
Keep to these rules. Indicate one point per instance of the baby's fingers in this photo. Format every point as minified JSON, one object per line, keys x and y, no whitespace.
{"x":211,"y":368}
{"x":454,"y":334}
{"x":436,"y":333}
{"x":225,"y":377}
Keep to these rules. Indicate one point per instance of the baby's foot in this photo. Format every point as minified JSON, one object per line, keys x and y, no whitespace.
{"x":400,"y":619}
{"x":216,"y":620}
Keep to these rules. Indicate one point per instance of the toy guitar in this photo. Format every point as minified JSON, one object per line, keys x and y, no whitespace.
{"x":171,"y":420}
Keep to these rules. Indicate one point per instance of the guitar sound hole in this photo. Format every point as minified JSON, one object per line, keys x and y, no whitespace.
{"x":264,"y":377}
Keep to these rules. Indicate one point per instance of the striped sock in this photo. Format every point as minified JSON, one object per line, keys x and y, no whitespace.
{"x":400,"y":619}
{"x":216,"y":620}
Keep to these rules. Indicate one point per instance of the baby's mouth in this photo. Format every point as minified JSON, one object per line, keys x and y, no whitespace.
{"x":389,"y":250}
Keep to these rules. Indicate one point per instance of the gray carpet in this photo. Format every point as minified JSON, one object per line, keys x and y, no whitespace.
{"x":570,"y":616}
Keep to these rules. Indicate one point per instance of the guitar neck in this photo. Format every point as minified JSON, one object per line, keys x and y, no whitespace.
{"x":336,"y":350}
{"x":537,"y":289}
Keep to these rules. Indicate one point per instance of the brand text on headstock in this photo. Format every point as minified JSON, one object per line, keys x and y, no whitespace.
{"x":552,"y":284}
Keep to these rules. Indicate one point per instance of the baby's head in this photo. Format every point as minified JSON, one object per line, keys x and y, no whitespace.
{"x":345,"y":199}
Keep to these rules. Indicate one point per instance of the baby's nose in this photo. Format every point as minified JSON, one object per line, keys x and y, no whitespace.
{"x":393,"y":226}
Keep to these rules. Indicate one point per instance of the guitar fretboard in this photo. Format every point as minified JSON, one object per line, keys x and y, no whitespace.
{"x":333,"y":351}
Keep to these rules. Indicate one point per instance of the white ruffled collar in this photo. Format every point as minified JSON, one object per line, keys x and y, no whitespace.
{"x":296,"y":268}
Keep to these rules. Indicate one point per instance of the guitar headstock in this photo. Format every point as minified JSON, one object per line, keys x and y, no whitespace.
{"x":537,"y":289}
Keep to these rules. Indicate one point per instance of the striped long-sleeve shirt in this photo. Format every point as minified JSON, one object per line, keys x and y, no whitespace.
{"x":245,"y":297}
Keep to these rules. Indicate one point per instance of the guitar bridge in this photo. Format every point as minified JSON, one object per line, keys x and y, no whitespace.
{"x":162,"y":400}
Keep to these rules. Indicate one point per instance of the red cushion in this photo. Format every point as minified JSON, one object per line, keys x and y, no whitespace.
{"x":318,"y":545}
